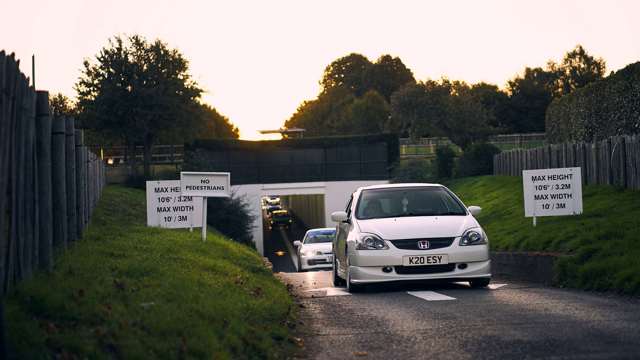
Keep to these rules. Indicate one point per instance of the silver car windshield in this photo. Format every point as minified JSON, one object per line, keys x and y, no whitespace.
{"x":409,"y":201}
{"x":322,"y":236}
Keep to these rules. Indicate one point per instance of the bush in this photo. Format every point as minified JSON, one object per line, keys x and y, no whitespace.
{"x":476,"y":160}
{"x":413,"y":171}
{"x":444,"y":161}
{"x":599,"y":110}
{"x":231,"y":217}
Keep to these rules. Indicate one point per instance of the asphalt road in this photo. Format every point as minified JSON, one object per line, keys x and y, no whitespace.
{"x":512,"y":320}
{"x":278,"y":246}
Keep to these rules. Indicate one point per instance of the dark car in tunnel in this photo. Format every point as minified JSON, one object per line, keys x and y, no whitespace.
{"x":280,"y":218}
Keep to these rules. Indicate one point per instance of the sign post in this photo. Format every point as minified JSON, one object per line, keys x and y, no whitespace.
{"x":552,"y":192}
{"x":205,"y":184}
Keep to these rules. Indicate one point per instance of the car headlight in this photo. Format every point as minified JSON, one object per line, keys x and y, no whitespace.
{"x":370,"y":242}
{"x":473,"y":236}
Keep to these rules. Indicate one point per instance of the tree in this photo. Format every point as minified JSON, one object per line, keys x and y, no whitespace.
{"x":578,"y":69}
{"x":60,"y":104}
{"x":137,"y":90}
{"x":367,"y":115}
{"x":387,"y":75}
{"x":530,"y":95}
{"x":205,"y":122}
{"x":496,"y":102}
{"x":348,"y":72}
{"x":325,"y":115}
{"x":441,"y":108}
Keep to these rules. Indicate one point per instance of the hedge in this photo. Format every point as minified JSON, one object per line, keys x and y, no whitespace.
{"x":599,"y":110}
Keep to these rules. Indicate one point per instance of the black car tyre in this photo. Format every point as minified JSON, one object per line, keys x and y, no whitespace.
{"x":337,"y":280}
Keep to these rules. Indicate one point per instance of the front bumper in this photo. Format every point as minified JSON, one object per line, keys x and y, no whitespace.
{"x":366,"y":265}
{"x":373,"y":274}
{"x":316,"y":262}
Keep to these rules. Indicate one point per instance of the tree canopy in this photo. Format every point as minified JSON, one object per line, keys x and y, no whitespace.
{"x":140,"y":91}
{"x":359,"y":97}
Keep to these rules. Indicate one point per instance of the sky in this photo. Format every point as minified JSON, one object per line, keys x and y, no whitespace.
{"x":258,"y":60}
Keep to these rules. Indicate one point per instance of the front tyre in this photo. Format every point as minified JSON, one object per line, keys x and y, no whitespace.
{"x":480,"y":283}
{"x":337,"y":280}
{"x":351,"y":287}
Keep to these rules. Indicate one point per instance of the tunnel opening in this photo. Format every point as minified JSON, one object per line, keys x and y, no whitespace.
{"x":285,"y":220}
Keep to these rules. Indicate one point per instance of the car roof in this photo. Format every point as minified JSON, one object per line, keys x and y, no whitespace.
{"x":399,"y":185}
{"x":281,"y":212}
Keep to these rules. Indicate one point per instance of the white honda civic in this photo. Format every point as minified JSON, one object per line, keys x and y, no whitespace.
{"x":397,"y":232}
{"x":314,"y":251}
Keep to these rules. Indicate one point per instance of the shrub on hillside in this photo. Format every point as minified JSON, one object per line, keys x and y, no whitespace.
{"x":231,"y":217}
{"x":444,"y":161}
{"x":599,"y":110}
{"x":476,"y":160}
{"x":415,"y":170}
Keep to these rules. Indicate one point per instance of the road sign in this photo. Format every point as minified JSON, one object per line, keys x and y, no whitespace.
{"x":552,"y":192}
{"x":168,"y":208}
{"x":205,"y":184}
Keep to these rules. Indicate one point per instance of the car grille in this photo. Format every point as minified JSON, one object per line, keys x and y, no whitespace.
{"x":412,"y":244}
{"x":313,"y":262}
{"x":427,"y":269}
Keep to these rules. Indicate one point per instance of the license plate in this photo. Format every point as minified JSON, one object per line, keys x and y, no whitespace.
{"x":421,"y":260}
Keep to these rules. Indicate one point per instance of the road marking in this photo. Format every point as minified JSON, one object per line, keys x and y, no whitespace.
{"x":331,"y":291}
{"x":430,"y":295}
{"x":496,"y":286}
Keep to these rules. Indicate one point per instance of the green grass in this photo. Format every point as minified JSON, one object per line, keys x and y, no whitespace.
{"x":604,"y":241}
{"x":128,"y":291}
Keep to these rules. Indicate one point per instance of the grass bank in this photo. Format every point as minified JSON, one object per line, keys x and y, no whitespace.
{"x":128,"y":291}
{"x":604,"y":241}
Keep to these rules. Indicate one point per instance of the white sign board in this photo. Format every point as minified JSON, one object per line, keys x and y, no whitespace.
{"x":205,"y":184}
{"x":168,"y":208}
{"x":552,"y":192}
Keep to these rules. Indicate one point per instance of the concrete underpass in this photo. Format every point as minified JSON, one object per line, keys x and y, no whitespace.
{"x":308,"y":212}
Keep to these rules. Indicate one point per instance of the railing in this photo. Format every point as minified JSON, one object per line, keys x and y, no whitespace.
{"x":120,"y":155}
{"x":614,"y":161}
{"x":426,"y":147}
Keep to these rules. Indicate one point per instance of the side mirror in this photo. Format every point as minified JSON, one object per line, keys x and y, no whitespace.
{"x":475,"y":210}
{"x":339,"y":216}
{"x":297,"y":243}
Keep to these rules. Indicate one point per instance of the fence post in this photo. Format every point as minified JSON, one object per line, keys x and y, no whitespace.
{"x":70,"y":168}
{"x":43,"y":141}
{"x":79,"y":142}
{"x":18,"y":209}
{"x":58,"y":182}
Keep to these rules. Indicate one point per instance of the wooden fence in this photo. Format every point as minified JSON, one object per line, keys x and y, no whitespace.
{"x":49,"y":181}
{"x":614,"y":161}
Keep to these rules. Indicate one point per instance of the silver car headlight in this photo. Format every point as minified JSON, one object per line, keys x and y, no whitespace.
{"x":473,"y":236}
{"x":370,"y":242}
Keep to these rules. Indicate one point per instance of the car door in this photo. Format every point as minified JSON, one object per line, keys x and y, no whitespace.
{"x":342,"y":231}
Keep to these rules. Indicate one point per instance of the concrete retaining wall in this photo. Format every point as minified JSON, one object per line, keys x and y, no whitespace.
{"x":527,"y":266}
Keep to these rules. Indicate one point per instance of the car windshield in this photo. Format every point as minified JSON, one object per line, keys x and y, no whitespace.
{"x":409,"y":201}
{"x":320,"y":236}
{"x":281,"y":216}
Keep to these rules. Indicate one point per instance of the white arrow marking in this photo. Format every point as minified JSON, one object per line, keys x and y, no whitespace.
{"x":496,"y":286}
{"x":430,"y":295}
